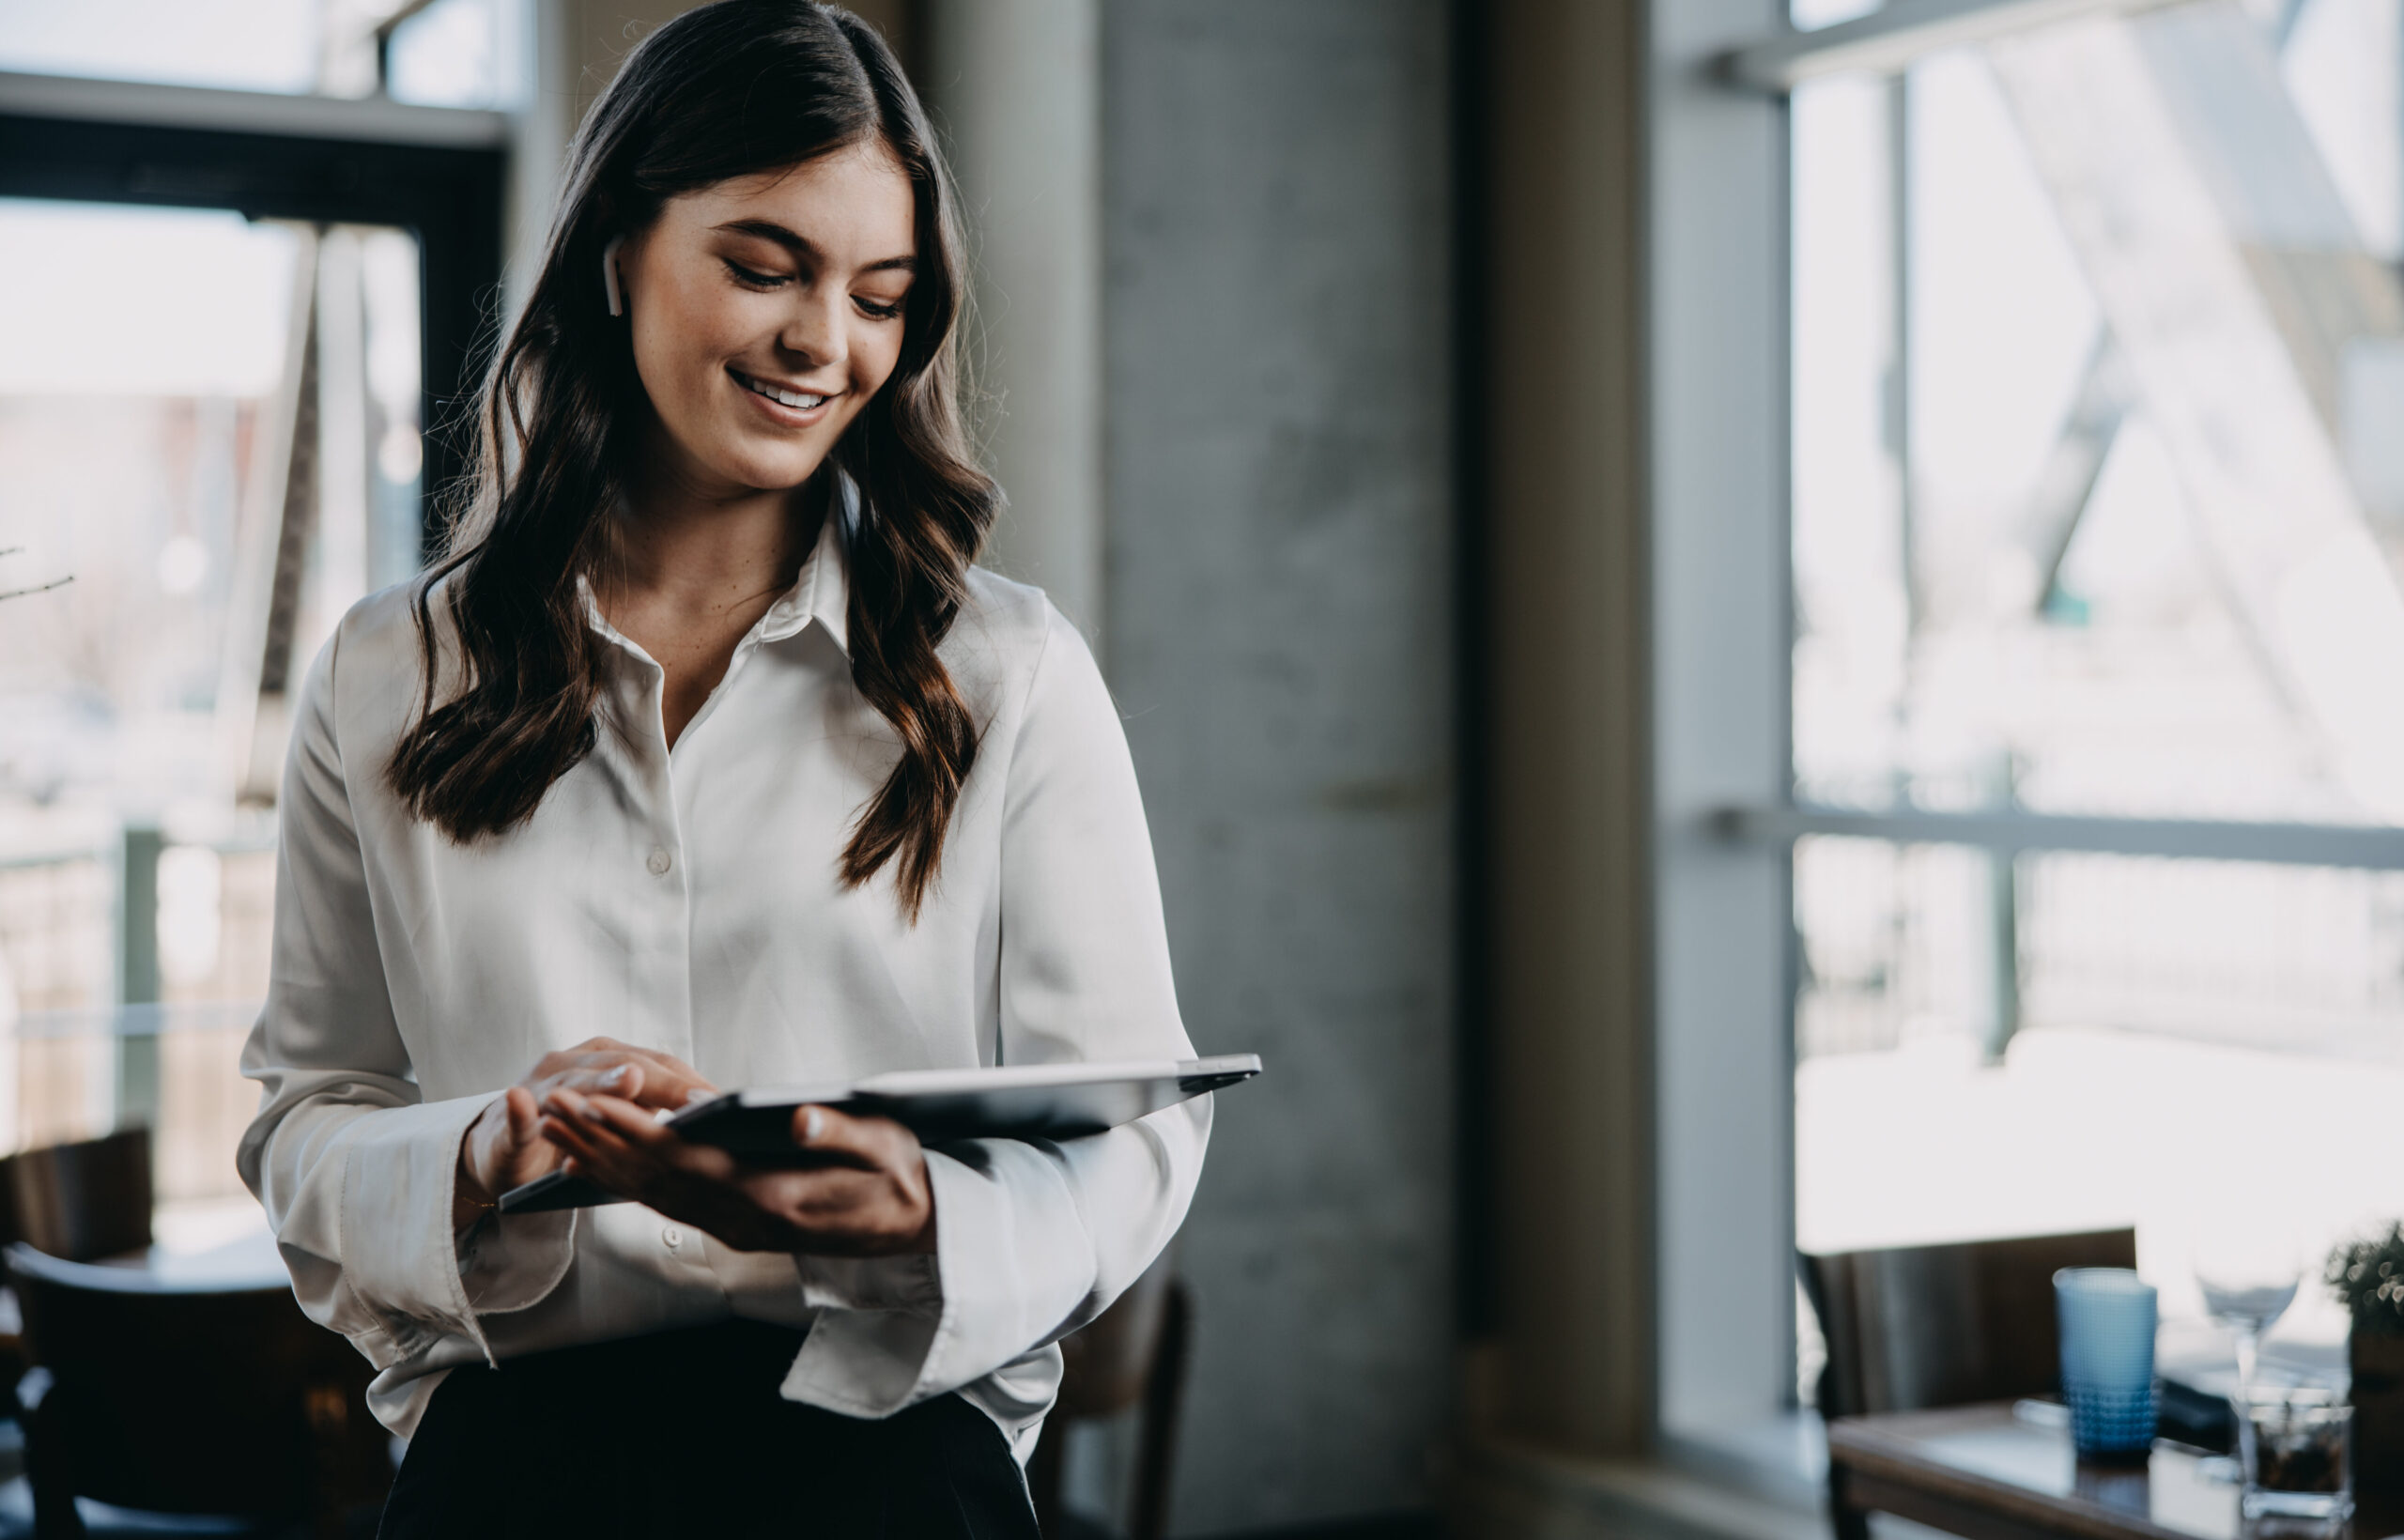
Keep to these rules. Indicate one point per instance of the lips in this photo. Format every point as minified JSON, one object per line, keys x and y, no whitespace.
{"x":783,"y":395}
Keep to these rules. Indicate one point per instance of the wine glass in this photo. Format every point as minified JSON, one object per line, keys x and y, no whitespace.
{"x":2248,"y":1279}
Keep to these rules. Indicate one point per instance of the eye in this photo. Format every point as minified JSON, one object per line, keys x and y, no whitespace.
{"x":876,"y":310}
{"x":751,"y":279}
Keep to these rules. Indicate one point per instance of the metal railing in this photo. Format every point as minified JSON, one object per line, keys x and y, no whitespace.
{"x":130,"y":974}
{"x":1980,"y":924}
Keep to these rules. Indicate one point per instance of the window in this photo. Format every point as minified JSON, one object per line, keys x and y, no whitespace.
{"x":442,"y":53}
{"x":462,"y":53}
{"x":231,"y":327}
{"x":2026,"y":832}
{"x":254,"y":45}
{"x":2097,"y":524}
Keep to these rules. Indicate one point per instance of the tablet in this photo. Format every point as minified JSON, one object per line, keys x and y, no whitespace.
{"x":1013,"y":1102}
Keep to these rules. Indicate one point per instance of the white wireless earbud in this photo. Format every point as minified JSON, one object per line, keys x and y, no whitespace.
{"x":610,"y":275}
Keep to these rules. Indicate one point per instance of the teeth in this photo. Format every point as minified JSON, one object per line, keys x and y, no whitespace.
{"x":786,"y":398}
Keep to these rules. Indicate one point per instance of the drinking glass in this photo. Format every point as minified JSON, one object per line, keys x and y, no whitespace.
{"x":2297,"y":1443}
{"x":2107,"y":1316}
{"x":2249,"y":1277}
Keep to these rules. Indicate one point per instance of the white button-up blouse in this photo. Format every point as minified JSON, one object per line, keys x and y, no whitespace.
{"x":689,"y":901}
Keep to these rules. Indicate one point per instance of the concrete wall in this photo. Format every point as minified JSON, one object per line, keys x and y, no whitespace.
{"x":1280,"y":635}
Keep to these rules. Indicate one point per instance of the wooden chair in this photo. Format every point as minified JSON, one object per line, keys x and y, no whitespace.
{"x":81,"y":1201}
{"x":190,"y":1402}
{"x":78,"y":1201}
{"x":1132,"y":1353}
{"x":1922,"y":1327}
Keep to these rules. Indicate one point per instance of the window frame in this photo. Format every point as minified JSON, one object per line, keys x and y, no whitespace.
{"x":1723,"y":946}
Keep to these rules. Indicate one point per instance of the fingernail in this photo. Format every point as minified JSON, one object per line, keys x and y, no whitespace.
{"x":813,"y":1121}
{"x":614,"y":1076}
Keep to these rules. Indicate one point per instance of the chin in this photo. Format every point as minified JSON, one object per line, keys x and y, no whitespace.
{"x":776,"y":472}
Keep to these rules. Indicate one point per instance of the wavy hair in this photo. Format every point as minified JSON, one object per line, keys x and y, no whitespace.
{"x":722,"y":91}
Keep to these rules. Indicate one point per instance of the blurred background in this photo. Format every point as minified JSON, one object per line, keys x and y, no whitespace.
{"x":1744,"y":631}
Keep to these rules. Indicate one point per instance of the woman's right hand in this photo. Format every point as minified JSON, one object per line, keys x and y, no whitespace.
{"x":503,"y":1146}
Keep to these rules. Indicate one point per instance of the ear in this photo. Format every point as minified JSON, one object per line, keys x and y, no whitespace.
{"x":610,"y":275}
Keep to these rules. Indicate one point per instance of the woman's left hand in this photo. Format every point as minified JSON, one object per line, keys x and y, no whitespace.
{"x":869,"y":1197}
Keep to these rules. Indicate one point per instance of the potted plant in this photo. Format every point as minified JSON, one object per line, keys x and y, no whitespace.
{"x":2368,"y":1276}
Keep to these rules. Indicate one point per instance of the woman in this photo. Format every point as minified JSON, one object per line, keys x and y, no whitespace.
{"x":706,"y":759}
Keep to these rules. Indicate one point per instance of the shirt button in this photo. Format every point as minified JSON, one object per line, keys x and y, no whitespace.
{"x":660,"y":861}
{"x":671,"y":1236}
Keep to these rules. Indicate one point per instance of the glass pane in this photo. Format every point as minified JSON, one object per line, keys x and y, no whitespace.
{"x":152,"y":366}
{"x":1808,"y":15}
{"x":2098,"y":509}
{"x":2095,"y":506}
{"x":462,"y":53}
{"x":453,"y":54}
{"x":2180,"y":1044}
{"x":142,"y":364}
{"x":253,"y":45}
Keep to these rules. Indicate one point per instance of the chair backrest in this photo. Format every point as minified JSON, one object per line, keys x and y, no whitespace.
{"x":1108,"y":1365}
{"x":1919,"y":1327}
{"x":184,"y":1401}
{"x":85,"y":1200}
{"x":1132,"y":1354}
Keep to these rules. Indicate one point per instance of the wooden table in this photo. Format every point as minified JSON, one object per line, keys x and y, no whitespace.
{"x":248,"y":1260}
{"x":1986,"y":1474}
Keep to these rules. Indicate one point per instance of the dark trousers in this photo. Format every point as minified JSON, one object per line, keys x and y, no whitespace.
{"x":683,"y":1434}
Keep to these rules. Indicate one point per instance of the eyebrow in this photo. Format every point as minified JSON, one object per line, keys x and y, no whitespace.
{"x":801,"y":246}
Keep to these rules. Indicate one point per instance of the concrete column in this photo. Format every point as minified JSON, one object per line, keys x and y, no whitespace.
{"x":1016,"y":86}
{"x":1278,"y":218}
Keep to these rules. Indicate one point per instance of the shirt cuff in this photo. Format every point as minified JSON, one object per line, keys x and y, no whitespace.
{"x":909,"y":1282}
{"x":878,"y":1345}
{"x":400,"y":1252}
{"x":515,"y":1261}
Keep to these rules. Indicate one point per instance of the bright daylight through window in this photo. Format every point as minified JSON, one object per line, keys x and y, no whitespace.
{"x":2099,"y":511}
{"x":151,"y":371}
{"x":445,"y":53}
{"x":210,"y":434}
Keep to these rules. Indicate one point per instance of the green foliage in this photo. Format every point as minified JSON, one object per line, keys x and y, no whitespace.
{"x":2367,"y":1277}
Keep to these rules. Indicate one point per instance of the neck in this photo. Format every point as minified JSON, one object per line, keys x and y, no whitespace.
{"x":707,"y":549}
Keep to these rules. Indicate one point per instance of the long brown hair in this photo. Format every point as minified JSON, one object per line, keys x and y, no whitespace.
{"x":725,"y":90}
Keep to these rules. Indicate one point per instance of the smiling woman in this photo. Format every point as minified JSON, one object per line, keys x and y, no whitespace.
{"x":705,"y":756}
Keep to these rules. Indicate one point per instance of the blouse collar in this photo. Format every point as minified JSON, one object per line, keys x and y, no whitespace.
{"x":820,"y":593}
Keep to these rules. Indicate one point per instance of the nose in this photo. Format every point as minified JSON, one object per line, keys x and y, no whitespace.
{"x":815,"y":333}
